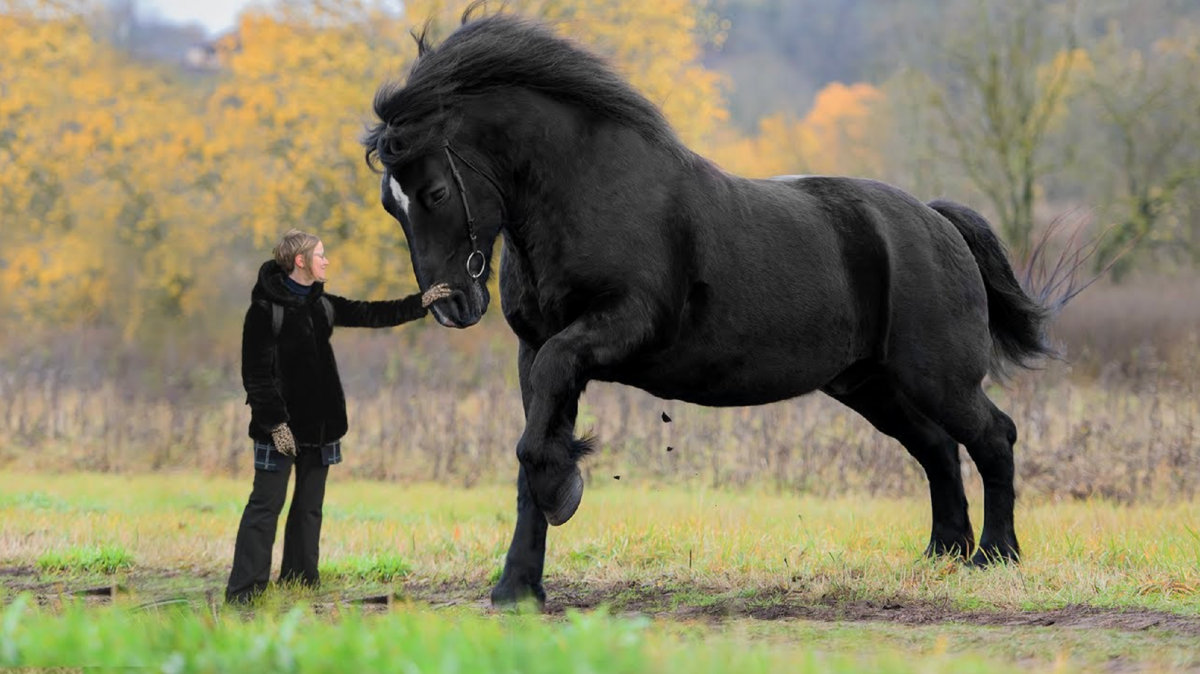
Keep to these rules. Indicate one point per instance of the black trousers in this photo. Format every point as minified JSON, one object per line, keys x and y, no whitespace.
{"x":301,"y":535}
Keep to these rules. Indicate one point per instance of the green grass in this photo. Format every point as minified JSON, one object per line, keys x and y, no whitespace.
{"x":699,"y":542}
{"x":383,"y":568}
{"x":419,"y":641}
{"x":266,"y":639}
{"x":709,"y":565}
{"x":86,"y":559}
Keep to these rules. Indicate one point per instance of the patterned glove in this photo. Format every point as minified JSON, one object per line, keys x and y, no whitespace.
{"x":437,"y":292}
{"x":284,"y":442}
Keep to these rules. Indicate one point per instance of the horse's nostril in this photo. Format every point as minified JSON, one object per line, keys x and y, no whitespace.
{"x":458,"y":304}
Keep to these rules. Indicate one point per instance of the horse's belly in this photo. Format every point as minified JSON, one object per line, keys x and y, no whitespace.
{"x":749,"y":376}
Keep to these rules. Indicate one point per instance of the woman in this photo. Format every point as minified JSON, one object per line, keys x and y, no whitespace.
{"x":298,"y":410}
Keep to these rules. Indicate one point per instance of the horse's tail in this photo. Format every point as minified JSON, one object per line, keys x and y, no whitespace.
{"x":1016,"y":319}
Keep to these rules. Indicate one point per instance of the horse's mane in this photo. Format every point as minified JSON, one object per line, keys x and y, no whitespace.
{"x":494,"y":52}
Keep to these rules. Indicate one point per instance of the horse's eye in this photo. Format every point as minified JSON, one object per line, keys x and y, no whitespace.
{"x":437,"y":195}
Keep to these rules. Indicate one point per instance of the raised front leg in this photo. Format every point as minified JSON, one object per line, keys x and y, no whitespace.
{"x":548,"y":451}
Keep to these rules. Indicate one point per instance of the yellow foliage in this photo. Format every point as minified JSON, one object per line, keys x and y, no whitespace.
{"x":833,"y":138}
{"x":71,"y":188}
{"x":125,"y":188}
{"x":1067,"y":72}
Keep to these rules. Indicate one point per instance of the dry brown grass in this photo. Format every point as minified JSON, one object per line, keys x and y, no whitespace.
{"x":1119,"y":333}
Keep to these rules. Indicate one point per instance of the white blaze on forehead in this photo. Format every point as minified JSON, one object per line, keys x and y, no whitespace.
{"x":399,"y":195}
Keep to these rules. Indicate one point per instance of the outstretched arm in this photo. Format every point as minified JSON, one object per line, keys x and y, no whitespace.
{"x":384,"y":313}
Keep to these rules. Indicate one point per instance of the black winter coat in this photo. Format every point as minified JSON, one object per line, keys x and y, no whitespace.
{"x":309,"y":396}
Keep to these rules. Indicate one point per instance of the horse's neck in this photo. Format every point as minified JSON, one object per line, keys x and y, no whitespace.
{"x":514,"y":244}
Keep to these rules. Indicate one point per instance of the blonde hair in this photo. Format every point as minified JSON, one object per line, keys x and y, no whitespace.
{"x":293,"y":243}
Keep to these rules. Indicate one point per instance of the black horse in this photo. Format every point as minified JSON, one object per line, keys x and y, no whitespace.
{"x":629,"y":258}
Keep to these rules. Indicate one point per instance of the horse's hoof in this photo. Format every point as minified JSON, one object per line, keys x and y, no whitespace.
{"x":509,"y":595}
{"x":992,"y":555}
{"x":569,"y":496}
{"x":958,"y":550}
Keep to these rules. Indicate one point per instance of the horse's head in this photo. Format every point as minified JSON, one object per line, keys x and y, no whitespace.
{"x":484,"y":129}
{"x":451,"y":213}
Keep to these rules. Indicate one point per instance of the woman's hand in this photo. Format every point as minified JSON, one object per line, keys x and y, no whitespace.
{"x":284,"y":442}
{"x":437,"y":292}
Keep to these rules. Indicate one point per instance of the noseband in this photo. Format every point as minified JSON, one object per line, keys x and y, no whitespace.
{"x":451,"y":153}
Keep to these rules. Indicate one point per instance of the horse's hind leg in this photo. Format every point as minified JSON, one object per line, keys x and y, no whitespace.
{"x":882,"y":404}
{"x":992,"y":452}
{"x":966,"y":412}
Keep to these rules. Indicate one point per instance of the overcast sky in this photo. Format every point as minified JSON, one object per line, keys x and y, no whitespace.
{"x":215,"y":15}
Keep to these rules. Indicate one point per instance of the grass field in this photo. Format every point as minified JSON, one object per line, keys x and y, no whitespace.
{"x":645,"y":578}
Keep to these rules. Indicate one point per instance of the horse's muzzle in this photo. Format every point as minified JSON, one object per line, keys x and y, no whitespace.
{"x":456,"y":311}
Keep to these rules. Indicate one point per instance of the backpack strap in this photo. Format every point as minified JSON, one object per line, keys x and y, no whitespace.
{"x":276,"y":323}
{"x":328,"y":310}
{"x":277,"y":315}
{"x":276,"y":318}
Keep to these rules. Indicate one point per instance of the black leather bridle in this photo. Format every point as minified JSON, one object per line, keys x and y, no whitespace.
{"x":451,"y":153}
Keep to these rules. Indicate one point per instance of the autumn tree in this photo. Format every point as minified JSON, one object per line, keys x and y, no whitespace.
{"x":99,"y":159}
{"x":1003,"y":81}
{"x":1144,"y":153}
{"x":126,"y":186}
{"x":287,"y":114}
{"x":834,"y":137}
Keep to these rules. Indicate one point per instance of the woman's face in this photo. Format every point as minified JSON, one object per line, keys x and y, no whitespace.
{"x":315,"y":272}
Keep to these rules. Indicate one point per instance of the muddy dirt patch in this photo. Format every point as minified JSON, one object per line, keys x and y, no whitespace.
{"x":712,"y":604}
{"x":665,"y":602}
